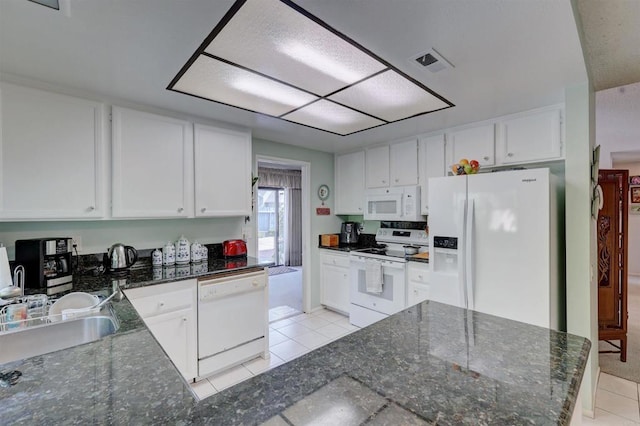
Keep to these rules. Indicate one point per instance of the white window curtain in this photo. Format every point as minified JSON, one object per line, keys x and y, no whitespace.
{"x":291,"y":181}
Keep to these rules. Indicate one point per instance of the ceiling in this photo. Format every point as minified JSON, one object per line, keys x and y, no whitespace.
{"x":508,"y":56}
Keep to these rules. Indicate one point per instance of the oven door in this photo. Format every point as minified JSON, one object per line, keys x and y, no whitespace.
{"x":393,"y":296}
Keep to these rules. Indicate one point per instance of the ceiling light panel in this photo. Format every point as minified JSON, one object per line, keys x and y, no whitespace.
{"x":274,"y":39}
{"x":389,"y":96}
{"x":218,"y":81}
{"x":329,"y":116}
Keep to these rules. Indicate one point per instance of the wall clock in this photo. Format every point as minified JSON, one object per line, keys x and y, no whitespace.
{"x":323,"y":193}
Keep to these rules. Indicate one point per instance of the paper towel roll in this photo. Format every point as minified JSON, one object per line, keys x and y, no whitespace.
{"x":5,"y":272}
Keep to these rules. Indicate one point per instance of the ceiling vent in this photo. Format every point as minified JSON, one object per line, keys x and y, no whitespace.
{"x":433,"y":61}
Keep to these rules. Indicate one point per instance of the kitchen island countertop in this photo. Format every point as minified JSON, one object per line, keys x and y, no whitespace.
{"x":431,"y":363}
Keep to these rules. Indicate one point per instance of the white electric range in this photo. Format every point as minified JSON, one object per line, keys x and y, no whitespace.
{"x":386,"y":265}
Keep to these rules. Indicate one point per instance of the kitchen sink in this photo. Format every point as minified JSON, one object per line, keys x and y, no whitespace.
{"x":38,"y":340}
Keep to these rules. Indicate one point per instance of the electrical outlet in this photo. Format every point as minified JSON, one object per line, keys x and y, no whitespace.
{"x":77,"y":241}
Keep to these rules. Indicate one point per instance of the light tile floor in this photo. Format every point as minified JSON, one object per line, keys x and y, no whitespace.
{"x":288,"y":339}
{"x":616,"y":402}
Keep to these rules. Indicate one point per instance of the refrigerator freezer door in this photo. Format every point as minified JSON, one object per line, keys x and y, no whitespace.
{"x":447,"y":195}
{"x":509,"y":245}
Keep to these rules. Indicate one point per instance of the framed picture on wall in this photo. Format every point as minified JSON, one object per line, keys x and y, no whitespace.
{"x":634,"y":180}
{"x":634,"y":205}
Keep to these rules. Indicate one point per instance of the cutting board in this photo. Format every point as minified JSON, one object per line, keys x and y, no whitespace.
{"x":424,"y":255}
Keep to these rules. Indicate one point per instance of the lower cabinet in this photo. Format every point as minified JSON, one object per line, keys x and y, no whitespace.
{"x":418,"y":283}
{"x":334,"y":278}
{"x":170,"y":312}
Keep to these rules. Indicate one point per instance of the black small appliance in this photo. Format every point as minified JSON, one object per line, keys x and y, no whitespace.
{"x":47,"y":263}
{"x":349,"y":233}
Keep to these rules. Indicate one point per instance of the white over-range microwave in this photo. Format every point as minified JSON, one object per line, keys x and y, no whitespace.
{"x":399,"y":203}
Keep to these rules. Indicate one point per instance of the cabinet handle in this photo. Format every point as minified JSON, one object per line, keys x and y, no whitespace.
{"x":420,"y":276}
{"x":485,"y":158}
{"x":184,"y":319}
{"x":384,"y":181}
{"x":254,"y":283}
{"x":204,"y":209}
{"x":161,"y":304}
{"x":180,"y":209}
{"x":510,"y":154}
{"x":91,"y":208}
{"x":344,"y":275}
{"x":360,"y":208}
{"x":397,"y":180}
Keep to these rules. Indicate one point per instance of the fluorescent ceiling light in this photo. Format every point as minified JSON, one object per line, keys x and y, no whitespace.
{"x":332,"y":117}
{"x":275,"y":58}
{"x":389,"y":96}
{"x":216,"y":80}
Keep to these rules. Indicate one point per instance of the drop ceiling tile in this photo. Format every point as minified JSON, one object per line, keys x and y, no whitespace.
{"x":218,"y":81}
{"x":332,"y":117}
{"x":274,"y":39}
{"x":389,"y":96}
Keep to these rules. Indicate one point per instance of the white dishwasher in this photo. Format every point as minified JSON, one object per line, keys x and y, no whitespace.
{"x":232,"y":320}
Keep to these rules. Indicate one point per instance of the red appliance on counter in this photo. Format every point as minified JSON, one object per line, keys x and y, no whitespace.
{"x":234,"y":248}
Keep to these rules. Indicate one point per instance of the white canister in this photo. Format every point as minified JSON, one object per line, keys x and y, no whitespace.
{"x":169,"y":254}
{"x":183,"y":250}
{"x":196,"y":252}
{"x":156,"y":257}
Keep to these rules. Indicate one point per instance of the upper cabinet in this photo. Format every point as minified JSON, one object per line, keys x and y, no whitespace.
{"x":531,"y":136}
{"x":392,"y":165}
{"x":222,"y":172}
{"x":349,"y":183}
{"x":403,"y":163}
{"x":472,"y":143}
{"x":377,"y":167}
{"x":152,"y":159}
{"x":431,"y":160}
{"x":51,"y":156}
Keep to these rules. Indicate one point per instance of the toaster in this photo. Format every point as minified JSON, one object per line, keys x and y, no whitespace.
{"x":234,"y":248}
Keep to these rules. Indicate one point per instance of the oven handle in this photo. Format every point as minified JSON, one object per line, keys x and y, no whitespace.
{"x":385,"y":263}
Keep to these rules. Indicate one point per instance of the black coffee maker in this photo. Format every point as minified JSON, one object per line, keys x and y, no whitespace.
{"x":349,"y":233}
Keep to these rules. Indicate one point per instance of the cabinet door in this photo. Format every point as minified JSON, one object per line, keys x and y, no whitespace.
{"x":152,"y":165}
{"x":531,"y":137}
{"x":176,"y":333}
{"x":431,"y":159}
{"x":474,"y":143}
{"x":403,"y":163}
{"x":417,"y":293}
{"x":349,"y":186}
{"x":377,"y":166}
{"x":334,"y":272}
{"x":51,"y":156}
{"x":222,"y":172}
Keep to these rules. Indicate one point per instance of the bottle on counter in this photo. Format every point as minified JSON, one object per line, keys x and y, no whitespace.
{"x":156,"y":257}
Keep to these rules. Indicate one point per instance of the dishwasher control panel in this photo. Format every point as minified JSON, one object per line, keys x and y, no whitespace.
{"x":218,"y":288}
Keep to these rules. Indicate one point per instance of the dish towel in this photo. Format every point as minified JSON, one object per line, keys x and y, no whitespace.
{"x":373,"y":276}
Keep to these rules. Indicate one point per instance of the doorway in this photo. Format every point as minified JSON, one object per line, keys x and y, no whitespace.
{"x":282,"y":231}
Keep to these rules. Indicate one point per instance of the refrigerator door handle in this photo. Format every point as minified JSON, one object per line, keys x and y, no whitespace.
{"x":462,"y":251}
{"x":469,"y":252}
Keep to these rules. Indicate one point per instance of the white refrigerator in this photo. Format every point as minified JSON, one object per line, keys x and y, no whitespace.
{"x":494,"y":245}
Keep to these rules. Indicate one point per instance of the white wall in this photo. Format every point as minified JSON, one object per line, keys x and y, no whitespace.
{"x":633,"y":262}
{"x":617,"y":124}
{"x":582,"y":301}
{"x":321,"y":171}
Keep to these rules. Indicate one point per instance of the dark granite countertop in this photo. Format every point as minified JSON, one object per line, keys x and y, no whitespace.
{"x":430,"y":364}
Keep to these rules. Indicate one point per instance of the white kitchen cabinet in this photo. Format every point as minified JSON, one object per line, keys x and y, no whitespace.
{"x":334,"y":278}
{"x":222,"y":172}
{"x":532,"y":136}
{"x":51,"y":156}
{"x":152,"y":163}
{"x":377,"y":167}
{"x":403,"y":163}
{"x":170,"y":312}
{"x":472,"y":143}
{"x":431,"y":161}
{"x":349,"y":183}
{"x":418,"y":282}
{"x":173,"y":331}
